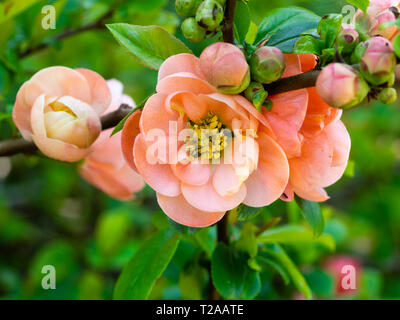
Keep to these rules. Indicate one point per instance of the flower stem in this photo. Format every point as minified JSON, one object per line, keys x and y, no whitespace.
{"x":227,"y":30}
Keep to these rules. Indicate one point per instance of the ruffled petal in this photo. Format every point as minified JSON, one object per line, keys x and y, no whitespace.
{"x":268,"y":182}
{"x":129,"y":133}
{"x":59,"y":150}
{"x":206,"y":198}
{"x":183,"y":62}
{"x":286,"y":118}
{"x":184,"y":81}
{"x":186,"y":103}
{"x":193,"y":173}
{"x":308,"y":62}
{"x":158,"y":176}
{"x":58,"y":82}
{"x":179,"y":210}
{"x":100,"y":92}
{"x":319,"y":114}
{"x":226,"y":181}
{"x":119,"y":184}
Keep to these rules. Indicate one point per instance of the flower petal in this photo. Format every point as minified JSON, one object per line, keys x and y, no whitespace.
{"x":184,"y":81}
{"x":206,"y":198}
{"x":183,"y":62}
{"x":59,"y":150}
{"x":100,"y":92}
{"x":268,"y":182}
{"x":194,"y":172}
{"x":179,"y":210}
{"x":158,"y":176}
{"x":129,"y":133}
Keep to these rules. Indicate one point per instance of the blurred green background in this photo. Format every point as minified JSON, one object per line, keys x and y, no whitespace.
{"x":50,"y":215}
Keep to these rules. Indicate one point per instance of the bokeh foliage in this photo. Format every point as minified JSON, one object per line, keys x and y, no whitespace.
{"x":49,"y":215}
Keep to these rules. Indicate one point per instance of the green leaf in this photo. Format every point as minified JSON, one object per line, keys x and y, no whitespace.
{"x":360,"y":4}
{"x":248,"y":241}
{"x":312,"y":213}
{"x":246,"y":213}
{"x":207,"y":239}
{"x":150,"y":45}
{"x":192,"y":282}
{"x":329,"y":28}
{"x":283,"y":27}
{"x":396,"y":45}
{"x":146,"y":266}
{"x":121,"y":124}
{"x":242,"y":21}
{"x":264,"y":261}
{"x":231,"y":275}
{"x":295,"y":235}
{"x":308,"y":44}
{"x":277,"y":253}
{"x":11,"y":8}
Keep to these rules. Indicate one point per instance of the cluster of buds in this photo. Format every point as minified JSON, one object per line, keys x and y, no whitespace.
{"x":203,"y":17}
{"x":377,"y":20}
{"x":342,"y":86}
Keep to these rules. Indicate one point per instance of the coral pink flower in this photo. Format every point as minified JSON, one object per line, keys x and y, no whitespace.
{"x":105,"y":167}
{"x":59,"y":108}
{"x":191,"y":190}
{"x":316,"y":142}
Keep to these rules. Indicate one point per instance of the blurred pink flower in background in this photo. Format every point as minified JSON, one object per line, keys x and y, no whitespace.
{"x":105,"y":167}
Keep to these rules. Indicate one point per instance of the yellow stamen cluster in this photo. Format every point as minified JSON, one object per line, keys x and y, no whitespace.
{"x":209,"y":140}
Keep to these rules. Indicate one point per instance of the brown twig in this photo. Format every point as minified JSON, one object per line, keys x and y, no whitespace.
{"x":99,"y":24}
{"x":300,"y":81}
{"x":227,"y":30}
{"x":14,"y":146}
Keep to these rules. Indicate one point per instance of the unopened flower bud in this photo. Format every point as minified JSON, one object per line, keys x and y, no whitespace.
{"x":388,"y":96}
{"x":256,"y":94}
{"x":378,"y":62}
{"x":225,"y":67}
{"x":187,"y":8}
{"x":378,"y":30}
{"x":210,"y":14}
{"x":192,"y":31}
{"x":347,"y":38}
{"x":267,"y":64}
{"x":341,"y":86}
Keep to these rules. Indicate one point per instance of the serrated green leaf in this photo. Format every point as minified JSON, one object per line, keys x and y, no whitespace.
{"x":146,"y":266}
{"x":150,"y":45}
{"x":283,"y":27}
{"x":312,"y":213}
